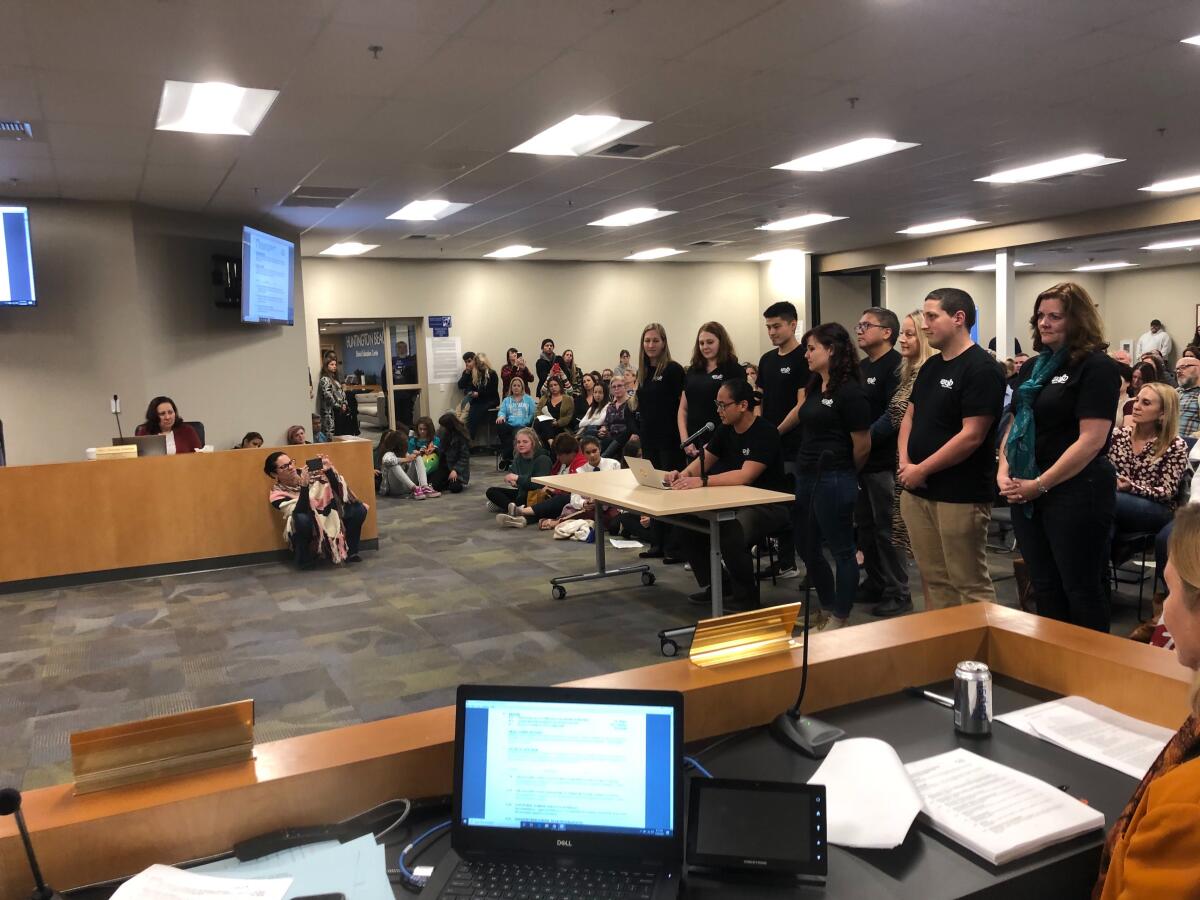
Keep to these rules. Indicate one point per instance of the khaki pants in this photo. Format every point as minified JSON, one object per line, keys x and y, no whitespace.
{"x":949,"y":541}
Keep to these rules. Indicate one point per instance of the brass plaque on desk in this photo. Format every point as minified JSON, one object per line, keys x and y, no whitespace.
{"x":134,"y":752}
{"x":744,"y":635}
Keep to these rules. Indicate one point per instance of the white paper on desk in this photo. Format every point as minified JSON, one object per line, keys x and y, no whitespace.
{"x":357,"y":869}
{"x":622,"y":544}
{"x":995,"y":811}
{"x":869,"y":798}
{"x":166,"y":883}
{"x":1094,"y":732}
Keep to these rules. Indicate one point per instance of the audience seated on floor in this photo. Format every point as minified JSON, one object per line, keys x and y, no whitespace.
{"x":453,"y":471}
{"x":322,"y":518}
{"x":546,"y":503}
{"x":403,"y":469}
{"x":162,"y":417}
{"x":530,"y":459}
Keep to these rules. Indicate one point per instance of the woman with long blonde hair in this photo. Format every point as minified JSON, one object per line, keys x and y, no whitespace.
{"x":1153,"y":849}
{"x":1150,"y":459}
{"x":484,"y":393}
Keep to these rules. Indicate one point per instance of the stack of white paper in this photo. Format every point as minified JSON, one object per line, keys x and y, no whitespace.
{"x":995,"y":811}
{"x":166,"y":883}
{"x":357,"y":869}
{"x":1094,"y":732}
{"x":869,"y":798}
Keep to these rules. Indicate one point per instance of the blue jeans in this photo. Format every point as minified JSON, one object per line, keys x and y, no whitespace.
{"x":1135,"y":513}
{"x":824,"y":512}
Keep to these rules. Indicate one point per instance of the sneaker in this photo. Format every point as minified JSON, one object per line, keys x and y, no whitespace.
{"x":893,"y":607}
{"x":788,"y":572}
{"x":687,"y":567}
{"x":430,"y":492}
{"x":491,"y":507}
{"x":512,"y":509}
{"x":834,"y":623}
{"x":418,"y":493}
{"x":507,"y":521}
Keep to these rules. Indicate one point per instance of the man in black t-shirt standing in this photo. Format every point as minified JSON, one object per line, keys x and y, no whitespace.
{"x":782,"y":374}
{"x":878,"y":330}
{"x":948,"y":455}
{"x":744,"y":450}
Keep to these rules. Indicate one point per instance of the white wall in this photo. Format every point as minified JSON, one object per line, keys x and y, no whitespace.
{"x":593,"y":308}
{"x":1135,"y":297}
{"x":125,"y":306}
{"x":843,"y":298}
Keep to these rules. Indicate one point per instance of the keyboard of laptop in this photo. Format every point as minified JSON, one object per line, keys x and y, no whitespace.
{"x":502,"y":881}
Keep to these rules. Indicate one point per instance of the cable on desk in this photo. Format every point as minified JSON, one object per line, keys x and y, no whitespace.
{"x":408,"y":879}
{"x":692,"y":763}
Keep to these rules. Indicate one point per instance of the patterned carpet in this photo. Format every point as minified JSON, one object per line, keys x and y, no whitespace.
{"x":448,"y":598}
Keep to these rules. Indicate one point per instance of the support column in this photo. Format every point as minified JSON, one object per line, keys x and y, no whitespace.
{"x":788,"y":276}
{"x":1006,"y":303}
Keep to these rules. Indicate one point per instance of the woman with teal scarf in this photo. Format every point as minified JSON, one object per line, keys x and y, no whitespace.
{"x":1053,"y":469}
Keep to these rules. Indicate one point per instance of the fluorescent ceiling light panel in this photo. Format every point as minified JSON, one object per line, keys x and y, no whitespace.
{"x":945,"y":225}
{"x":212,"y":107}
{"x":1101,"y":267}
{"x":577,"y":135}
{"x":1052,"y":167}
{"x":912,"y":265}
{"x":1194,"y":39}
{"x":1188,"y":183}
{"x":991,"y":267}
{"x":632,"y":217}
{"x":513,"y":251}
{"x":771,"y":255}
{"x":1175,"y":244}
{"x":656,"y":253}
{"x":795,"y":222}
{"x":845,"y":155}
{"x":348,"y":248}
{"x":427,"y":210}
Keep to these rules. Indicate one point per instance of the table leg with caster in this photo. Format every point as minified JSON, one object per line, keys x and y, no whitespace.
{"x":558,"y":592}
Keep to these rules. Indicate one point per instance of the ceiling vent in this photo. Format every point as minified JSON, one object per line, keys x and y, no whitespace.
{"x":624,"y":150}
{"x":702,"y":244}
{"x":324,"y":197}
{"x":424,"y":237}
{"x":13,"y":130}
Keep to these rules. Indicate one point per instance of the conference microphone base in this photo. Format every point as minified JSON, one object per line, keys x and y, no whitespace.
{"x":810,"y":736}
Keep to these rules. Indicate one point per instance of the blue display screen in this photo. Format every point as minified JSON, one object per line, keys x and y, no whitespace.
{"x":16,"y":258}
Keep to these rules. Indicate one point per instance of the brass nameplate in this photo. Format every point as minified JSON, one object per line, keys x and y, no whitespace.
{"x":166,"y":745}
{"x":744,"y":635}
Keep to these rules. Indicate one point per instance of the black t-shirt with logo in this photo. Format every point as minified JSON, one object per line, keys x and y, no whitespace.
{"x":826,"y":421}
{"x":658,"y":407}
{"x":1086,"y":390}
{"x":880,"y":380}
{"x":944,"y":394}
{"x":701,"y":391}
{"x":781,"y":378}
{"x":758,"y":443}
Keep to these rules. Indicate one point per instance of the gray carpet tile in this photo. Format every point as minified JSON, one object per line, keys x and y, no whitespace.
{"x":449,"y":598}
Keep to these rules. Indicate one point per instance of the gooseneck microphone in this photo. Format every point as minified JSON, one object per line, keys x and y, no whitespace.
{"x":10,"y":804}
{"x":700,"y":432}
{"x":810,"y":736}
{"x":116,"y":411}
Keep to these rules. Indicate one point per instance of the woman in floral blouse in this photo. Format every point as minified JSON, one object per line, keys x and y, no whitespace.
{"x":1150,"y":459}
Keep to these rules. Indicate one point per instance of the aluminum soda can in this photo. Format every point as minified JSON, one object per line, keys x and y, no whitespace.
{"x":972,"y":698}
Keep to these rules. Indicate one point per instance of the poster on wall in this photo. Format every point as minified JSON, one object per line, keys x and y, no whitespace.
{"x":444,"y":355}
{"x":363,"y":355}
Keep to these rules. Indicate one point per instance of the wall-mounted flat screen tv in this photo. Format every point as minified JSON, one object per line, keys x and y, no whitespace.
{"x":268,"y":278}
{"x":16,"y":258}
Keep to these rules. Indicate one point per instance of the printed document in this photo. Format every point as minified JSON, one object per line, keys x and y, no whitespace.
{"x":1094,"y":732}
{"x":166,"y":883}
{"x":870,"y":799}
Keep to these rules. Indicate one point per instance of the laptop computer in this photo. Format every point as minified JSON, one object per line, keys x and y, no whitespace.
{"x":645,"y":473}
{"x":571,"y":791}
{"x":147,"y":444}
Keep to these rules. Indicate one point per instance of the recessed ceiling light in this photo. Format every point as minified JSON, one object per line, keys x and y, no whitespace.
{"x":844,"y":155}
{"x":513,"y":251}
{"x":770,"y":255}
{"x":212,"y":107}
{"x":991,"y":267}
{"x":1174,"y":244}
{"x":426,"y":210}
{"x":632,"y":217}
{"x":1187,"y":183}
{"x":795,"y":222}
{"x":348,"y":248}
{"x":1100,"y":267}
{"x":1194,"y":39}
{"x":944,"y":225}
{"x":656,"y":253}
{"x":1050,"y":168}
{"x":911,"y":265}
{"x":577,"y":135}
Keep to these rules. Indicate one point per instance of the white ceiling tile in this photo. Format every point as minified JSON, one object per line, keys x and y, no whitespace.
{"x":667,"y":29}
{"x":117,"y":36}
{"x":536,"y":21}
{"x":443,"y":17}
{"x":88,"y":179}
{"x":98,"y":142}
{"x":339,"y":63}
{"x":99,"y":97}
{"x":467,"y":70}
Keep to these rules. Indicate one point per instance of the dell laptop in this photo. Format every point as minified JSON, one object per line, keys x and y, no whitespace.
{"x":565,"y":791}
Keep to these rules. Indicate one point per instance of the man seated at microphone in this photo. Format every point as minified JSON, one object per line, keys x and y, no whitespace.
{"x":744,"y":450}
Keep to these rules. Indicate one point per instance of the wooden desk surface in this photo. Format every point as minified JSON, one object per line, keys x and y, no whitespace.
{"x":97,"y":516}
{"x":325,"y":777}
{"x":620,"y":488}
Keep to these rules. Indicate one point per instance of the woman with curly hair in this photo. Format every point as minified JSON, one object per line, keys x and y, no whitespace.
{"x":835,"y":423}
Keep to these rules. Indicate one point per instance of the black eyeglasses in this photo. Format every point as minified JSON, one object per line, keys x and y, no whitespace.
{"x":863,"y":326}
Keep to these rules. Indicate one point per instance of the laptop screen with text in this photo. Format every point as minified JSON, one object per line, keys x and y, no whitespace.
{"x":569,"y":767}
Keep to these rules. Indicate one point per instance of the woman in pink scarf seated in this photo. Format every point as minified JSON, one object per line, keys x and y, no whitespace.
{"x":321,"y":516}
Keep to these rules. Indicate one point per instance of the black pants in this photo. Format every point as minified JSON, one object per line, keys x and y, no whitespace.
{"x":439,"y":480}
{"x":550,"y":508}
{"x":547,"y":431}
{"x":887,"y":572}
{"x":504,"y":433}
{"x":751,"y":526}
{"x":630,"y":525}
{"x":476,"y":413}
{"x":303,"y":525}
{"x":502,"y":496}
{"x":1065,"y":543}
{"x":667,"y":459}
{"x":614,"y":447}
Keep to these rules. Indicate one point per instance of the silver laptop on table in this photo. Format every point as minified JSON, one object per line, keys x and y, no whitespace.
{"x":645,"y":473}
{"x":147,"y":444}
{"x":565,"y":791}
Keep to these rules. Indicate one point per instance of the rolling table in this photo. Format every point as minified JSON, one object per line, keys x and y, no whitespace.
{"x":713,"y":505}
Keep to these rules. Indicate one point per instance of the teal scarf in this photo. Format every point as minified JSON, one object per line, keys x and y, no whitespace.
{"x":1021,"y":437}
